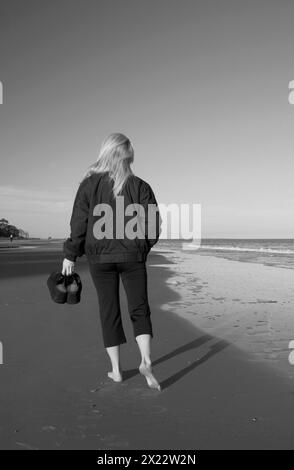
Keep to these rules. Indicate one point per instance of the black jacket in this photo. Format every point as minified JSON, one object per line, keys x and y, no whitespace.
{"x":97,"y":189}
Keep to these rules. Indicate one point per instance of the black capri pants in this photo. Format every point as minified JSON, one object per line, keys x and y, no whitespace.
{"x":106,"y":278}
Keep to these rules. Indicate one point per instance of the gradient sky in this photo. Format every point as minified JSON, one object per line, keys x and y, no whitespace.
{"x":200,"y":87}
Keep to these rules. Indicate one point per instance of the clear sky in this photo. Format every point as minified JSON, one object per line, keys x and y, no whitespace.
{"x":199,"y":86}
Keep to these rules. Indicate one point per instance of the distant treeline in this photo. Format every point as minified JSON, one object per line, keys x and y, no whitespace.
{"x":6,"y":229}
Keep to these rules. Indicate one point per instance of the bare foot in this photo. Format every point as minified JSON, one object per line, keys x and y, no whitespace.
{"x":146,"y":370}
{"x":115,"y":376}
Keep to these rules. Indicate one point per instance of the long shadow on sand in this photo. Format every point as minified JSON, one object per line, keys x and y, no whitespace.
{"x":169,"y":295}
{"x":214,"y":349}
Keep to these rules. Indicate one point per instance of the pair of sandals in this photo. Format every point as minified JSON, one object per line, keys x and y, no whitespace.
{"x":64,"y":289}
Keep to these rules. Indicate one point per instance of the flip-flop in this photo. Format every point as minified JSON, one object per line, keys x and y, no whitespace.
{"x":74,"y":288}
{"x":57,"y":288}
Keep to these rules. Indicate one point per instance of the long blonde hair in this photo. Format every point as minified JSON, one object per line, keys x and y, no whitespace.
{"x":115,"y":156}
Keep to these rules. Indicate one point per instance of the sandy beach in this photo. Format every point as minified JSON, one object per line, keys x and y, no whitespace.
{"x":220,"y":351}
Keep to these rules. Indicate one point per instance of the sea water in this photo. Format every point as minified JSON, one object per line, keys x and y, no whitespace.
{"x":271,"y":252}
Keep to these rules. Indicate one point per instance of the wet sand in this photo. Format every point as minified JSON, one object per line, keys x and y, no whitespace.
{"x":221,"y":389}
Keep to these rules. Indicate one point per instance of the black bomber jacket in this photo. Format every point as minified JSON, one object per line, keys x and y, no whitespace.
{"x":93,"y":193}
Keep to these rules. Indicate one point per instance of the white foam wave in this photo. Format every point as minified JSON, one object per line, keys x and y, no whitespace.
{"x":244,"y":249}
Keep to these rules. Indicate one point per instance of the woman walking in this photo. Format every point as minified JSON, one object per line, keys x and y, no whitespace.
{"x":115,"y":221}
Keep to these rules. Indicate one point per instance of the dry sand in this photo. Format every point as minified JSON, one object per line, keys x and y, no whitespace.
{"x":220,"y":352}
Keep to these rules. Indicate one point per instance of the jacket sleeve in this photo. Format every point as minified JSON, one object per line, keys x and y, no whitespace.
{"x":153,"y":223}
{"x":74,"y":246}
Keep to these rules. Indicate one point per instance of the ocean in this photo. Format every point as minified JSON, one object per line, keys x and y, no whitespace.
{"x":270,"y":252}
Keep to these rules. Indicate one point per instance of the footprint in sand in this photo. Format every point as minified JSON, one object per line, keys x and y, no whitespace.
{"x":157,"y":409}
{"x":113,"y":441}
{"x":150,"y":393}
{"x":26,"y":446}
{"x":48,"y":428}
{"x":105,"y":385}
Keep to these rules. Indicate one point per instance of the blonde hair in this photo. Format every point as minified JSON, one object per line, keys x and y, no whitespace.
{"x":115,"y":156}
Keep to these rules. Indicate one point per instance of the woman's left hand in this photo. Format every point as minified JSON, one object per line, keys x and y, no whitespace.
{"x":68,"y":267}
